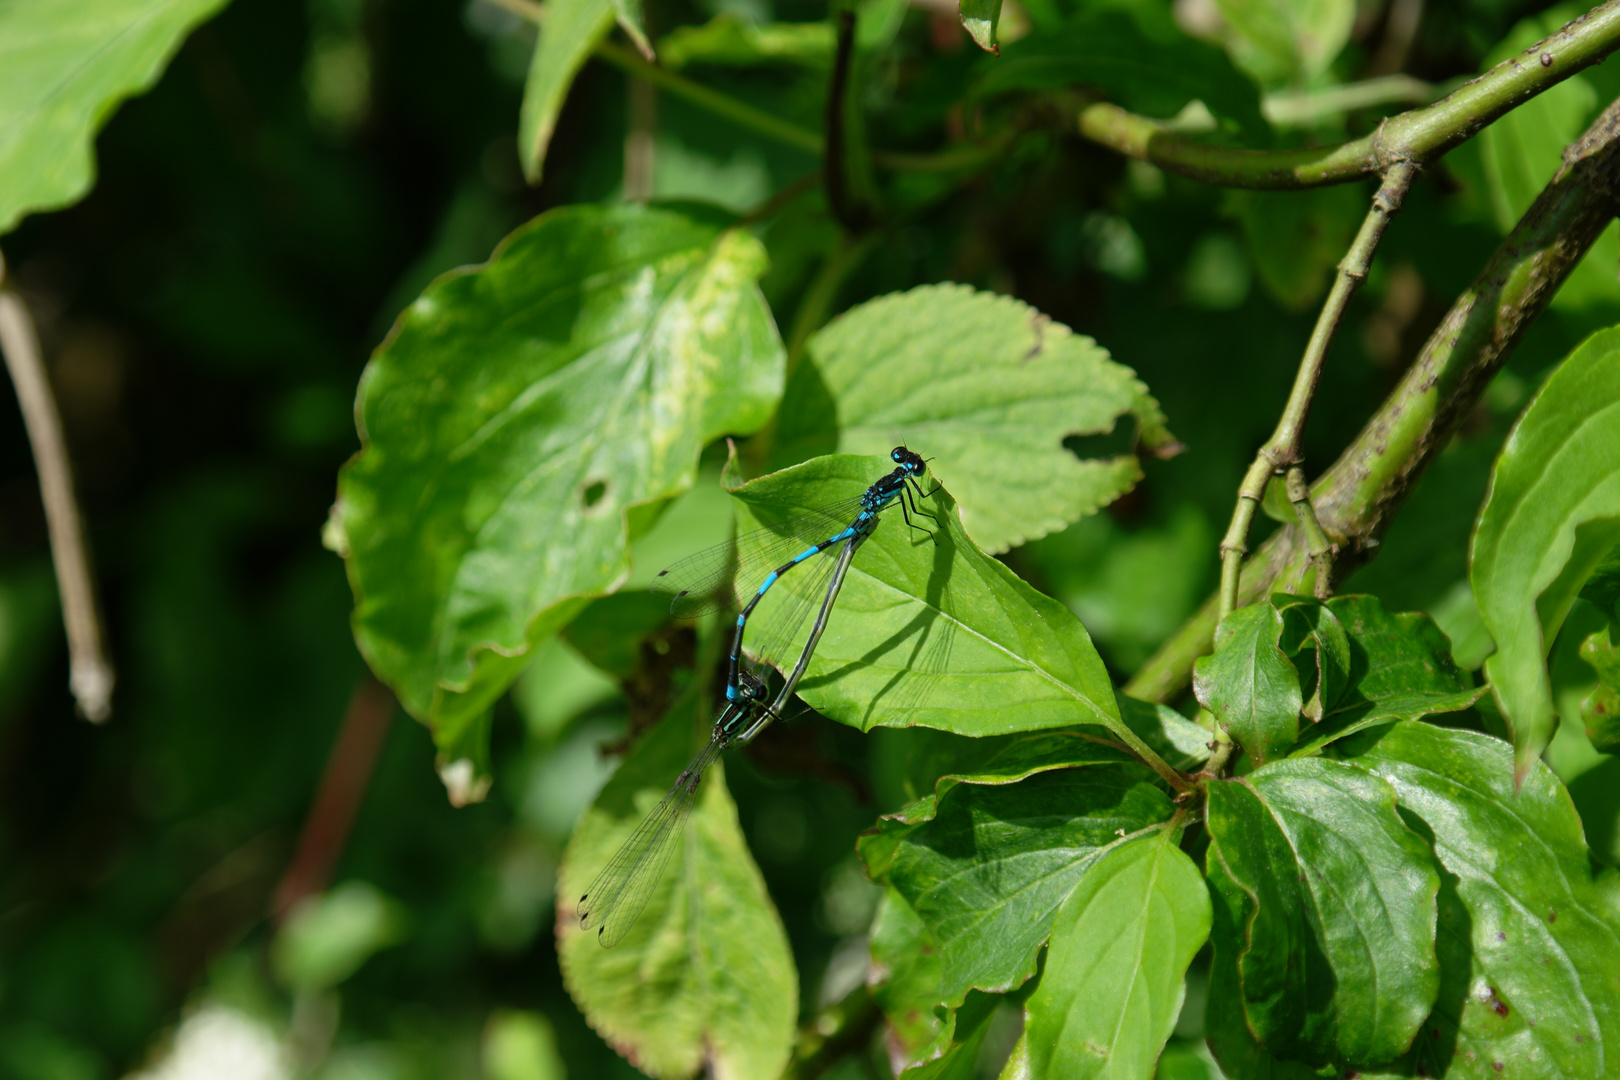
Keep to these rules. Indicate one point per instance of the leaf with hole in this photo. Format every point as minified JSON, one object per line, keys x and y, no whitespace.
{"x":514,"y":415}
{"x":987,"y":389}
{"x":704,"y":979}
{"x":961,"y":1043}
{"x":1551,"y":516}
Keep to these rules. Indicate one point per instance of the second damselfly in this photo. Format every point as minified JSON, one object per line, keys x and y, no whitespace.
{"x":709,"y":581}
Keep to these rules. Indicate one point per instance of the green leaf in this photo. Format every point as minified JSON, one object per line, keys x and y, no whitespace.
{"x":572,"y":29}
{"x":705,"y":978}
{"x":905,"y":981}
{"x":1297,"y":239}
{"x":959,"y":1049}
{"x":512,"y":417}
{"x":732,"y":40}
{"x":1603,"y":587}
{"x":1334,"y":900}
{"x":1552,"y":514}
{"x":1601,"y":709}
{"x":1112,"y":986}
{"x":609,"y":632}
{"x":1311,"y":624}
{"x":1180,"y":742}
{"x":326,"y":938}
{"x":1154,"y":76}
{"x":1011,"y":762}
{"x":929,"y":630}
{"x":633,"y":21}
{"x":987,"y":389}
{"x":1249,"y":683}
{"x":1400,"y":669}
{"x":1282,"y":41}
{"x":521,"y":1045}
{"x":1225,"y":1027}
{"x":1529,"y":943}
{"x":560,"y":685}
{"x":64,"y":68}
{"x":463,"y":762}
{"x":981,"y":17}
{"x":985,"y":866}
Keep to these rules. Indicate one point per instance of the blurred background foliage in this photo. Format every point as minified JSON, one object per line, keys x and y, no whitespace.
{"x":298,"y":175}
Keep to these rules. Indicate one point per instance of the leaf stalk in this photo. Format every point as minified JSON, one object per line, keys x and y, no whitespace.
{"x":958,"y":158}
{"x":1282,"y":451}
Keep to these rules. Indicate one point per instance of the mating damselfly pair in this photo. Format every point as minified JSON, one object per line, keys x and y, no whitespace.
{"x":718,"y":579}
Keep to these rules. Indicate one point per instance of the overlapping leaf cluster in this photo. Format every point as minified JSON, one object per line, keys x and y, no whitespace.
{"x":1048,"y":872}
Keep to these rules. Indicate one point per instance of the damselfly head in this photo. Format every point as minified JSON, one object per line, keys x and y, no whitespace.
{"x":908,"y":460}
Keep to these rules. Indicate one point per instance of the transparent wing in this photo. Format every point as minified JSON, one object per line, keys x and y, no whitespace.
{"x":614,"y":900}
{"x":711,"y":579}
{"x":775,"y":633}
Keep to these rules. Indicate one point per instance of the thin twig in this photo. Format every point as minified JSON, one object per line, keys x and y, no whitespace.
{"x":781,"y":200}
{"x":822,"y":293}
{"x":640,"y":140}
{"x":1356,"y":498}
{"x":738,"y":112}
{"x":1400,"y":30}
{"x":1317,"y":543}
{"x":1301,"y":108}
{"x":953,"y":159}
{"x":1283,"y":448}
{"x":90,"y":674}
{"x":836,"y":162}
{"x":343,"y":786}
{"x":1420,"y":135}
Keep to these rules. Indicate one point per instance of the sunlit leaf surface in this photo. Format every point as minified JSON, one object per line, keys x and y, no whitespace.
{"x":1528,"y":937}
{"x":705,"y":978}
{"x":985,"y":387}
{"x":985,"y":866}
{"x":514,"y":415}
{"x":1552,"y":514}
{"x":1112,"y":985}
{"x":1330,"y":905}
{"x":64,"y":67}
